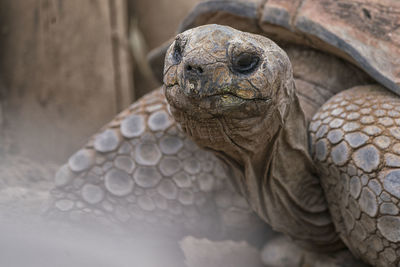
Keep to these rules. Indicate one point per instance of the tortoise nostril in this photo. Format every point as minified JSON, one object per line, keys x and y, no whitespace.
{"x":194,"y":70}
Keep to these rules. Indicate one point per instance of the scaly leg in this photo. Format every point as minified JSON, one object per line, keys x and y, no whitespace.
{"x":356,"y":145}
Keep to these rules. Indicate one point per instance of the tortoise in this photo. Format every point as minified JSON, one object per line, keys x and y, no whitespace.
{"x":307,"y":133}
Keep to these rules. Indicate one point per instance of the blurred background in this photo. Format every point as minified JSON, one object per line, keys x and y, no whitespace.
{"x":68,"y":67}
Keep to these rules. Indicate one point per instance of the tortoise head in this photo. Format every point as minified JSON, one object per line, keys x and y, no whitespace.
{"x":227,"y":89}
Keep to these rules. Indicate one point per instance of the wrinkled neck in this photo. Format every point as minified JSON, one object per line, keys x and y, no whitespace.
{"x":281,"y":184}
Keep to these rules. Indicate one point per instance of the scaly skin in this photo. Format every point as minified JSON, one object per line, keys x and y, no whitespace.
{"x":233,"y":92}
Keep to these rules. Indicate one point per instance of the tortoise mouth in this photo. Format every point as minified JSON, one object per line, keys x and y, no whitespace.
{"x":232,"y":95}
{"x":222,"y":102}
{"x":229,"y":92}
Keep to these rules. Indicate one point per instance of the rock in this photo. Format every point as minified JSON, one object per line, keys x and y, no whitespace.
{"x":203,"y":252}
{"x":281,"y":252}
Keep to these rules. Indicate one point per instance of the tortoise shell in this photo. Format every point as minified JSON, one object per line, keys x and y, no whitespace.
{"x":365,"y":33}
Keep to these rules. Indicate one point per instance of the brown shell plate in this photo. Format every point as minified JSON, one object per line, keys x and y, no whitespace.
{"x":364,"y":32}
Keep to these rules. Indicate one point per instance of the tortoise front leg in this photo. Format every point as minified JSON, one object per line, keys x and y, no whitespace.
{"x":356,"y":144}
{"x":140,"y":172}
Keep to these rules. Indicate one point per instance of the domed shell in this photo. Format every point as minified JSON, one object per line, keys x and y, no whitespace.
{"x":365,"y":32}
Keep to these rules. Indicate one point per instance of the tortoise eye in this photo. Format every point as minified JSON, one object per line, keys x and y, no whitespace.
{"x":245,"y":63}
{"x":177,"y":53}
